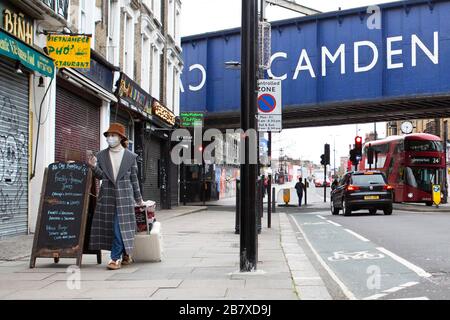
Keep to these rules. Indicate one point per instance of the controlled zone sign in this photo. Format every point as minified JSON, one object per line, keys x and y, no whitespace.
{"x":269,"y":106}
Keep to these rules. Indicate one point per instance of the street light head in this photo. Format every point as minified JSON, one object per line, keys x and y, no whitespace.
{"x":232,"y":65}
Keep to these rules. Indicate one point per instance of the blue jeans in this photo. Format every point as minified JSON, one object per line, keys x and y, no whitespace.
{"x":117,"y":245}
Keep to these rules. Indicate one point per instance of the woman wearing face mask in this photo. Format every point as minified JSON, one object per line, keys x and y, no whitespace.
{"x":114,"y":222}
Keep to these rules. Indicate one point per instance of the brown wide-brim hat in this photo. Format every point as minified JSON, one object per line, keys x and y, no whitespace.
{"x":116,"y":128}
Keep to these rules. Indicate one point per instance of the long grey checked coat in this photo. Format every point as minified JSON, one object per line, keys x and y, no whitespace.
{"x":121,"y":195}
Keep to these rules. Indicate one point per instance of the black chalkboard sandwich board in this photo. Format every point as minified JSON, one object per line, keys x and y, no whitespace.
{"x":63,"y":212}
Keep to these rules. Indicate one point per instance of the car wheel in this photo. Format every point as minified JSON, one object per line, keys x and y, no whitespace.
{"x":388,"y":211}
{"x":346,"y":208}
{"x":373,"y":211}
{"x":334,"y":210}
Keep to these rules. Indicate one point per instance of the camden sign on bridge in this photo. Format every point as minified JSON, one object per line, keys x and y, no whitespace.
{"x":329,"y":59}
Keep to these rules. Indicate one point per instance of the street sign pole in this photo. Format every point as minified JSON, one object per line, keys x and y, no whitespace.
{"x":249,"y":172}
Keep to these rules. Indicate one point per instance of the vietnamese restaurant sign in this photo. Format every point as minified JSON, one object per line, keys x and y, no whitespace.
{"x":70,"y":51}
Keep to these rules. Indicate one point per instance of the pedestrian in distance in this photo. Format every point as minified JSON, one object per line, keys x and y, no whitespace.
{"x":114,"y":221}
{"x":299,"y":187}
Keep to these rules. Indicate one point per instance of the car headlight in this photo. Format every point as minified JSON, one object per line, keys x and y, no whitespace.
{"x":410,"y":195}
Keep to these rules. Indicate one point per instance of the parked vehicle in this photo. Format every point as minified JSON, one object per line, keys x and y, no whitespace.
{"x":362,"y":190}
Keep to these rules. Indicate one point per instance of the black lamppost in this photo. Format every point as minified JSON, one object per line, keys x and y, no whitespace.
{"x":249,"y":172}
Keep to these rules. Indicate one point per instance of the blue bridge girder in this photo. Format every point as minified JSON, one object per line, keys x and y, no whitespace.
{"x":388,"y":62}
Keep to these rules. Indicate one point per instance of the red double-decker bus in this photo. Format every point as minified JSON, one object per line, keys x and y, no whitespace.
{"x":411,"y":163}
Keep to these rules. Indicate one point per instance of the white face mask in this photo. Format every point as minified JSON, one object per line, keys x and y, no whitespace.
{"x":113,"y":141}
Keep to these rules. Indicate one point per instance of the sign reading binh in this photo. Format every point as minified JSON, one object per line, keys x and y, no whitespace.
{"x":269,"y":106}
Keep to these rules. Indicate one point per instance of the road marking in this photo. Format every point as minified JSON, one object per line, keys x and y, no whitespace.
{"x":392,"y":290}
{"x":376,"y":296}
{"x":420,"y":272}
{"x":415,"y":298}
{"x":359,"y":255}
{"x":313,"y":223}
{"x":360,"y":237}
{"x":320,"y":217}
{"x":343,"y":287}
{"x":334,"y":223}
{"x":409,"y":284}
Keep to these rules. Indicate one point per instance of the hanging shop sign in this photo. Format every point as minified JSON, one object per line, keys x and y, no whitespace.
{"x":163,"y":113}
{"x":132,"y":93}
{"x":70,"y":51}
{"x":27,"y":56}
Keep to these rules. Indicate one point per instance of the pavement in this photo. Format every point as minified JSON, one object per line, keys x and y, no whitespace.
{"x":200,"y":262}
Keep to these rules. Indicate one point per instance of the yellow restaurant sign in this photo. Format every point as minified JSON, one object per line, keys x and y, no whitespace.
{"x":70,"y":51}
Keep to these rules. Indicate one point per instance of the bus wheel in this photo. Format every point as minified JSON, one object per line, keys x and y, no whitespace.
{"x":429,"y":204}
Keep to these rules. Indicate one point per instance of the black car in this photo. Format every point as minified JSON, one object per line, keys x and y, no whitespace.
{"x":362,"y":190}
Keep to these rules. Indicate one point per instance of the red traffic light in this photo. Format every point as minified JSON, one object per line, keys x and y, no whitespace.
{"x":358,"y":140}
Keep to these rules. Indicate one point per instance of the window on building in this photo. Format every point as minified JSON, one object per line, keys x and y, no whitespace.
{"x":170,"y":88}
{"x":83,"y":17}
{"x":145,"y":64}
{"x":177,"y":26}
{"x":128,"y":54}
{"x":156,"y":8}
{"x":113,"y":32}
{"x":171,"y":18}
{"x":156,"y":62}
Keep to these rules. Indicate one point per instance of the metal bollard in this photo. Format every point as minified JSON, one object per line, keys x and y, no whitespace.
{"x":238,"y":206}
{"x":273,"y":200}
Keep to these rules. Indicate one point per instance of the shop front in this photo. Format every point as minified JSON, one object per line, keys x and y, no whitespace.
{"x":148,"y":124}
{"x":83,"y":97}
{"x":20,"y":63}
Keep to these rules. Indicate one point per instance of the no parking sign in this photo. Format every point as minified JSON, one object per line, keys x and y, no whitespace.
{"x":269,"y":106}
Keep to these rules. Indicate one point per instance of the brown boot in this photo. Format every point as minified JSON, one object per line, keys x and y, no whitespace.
{"x":114,"y":265}
{"x":127,"y":260}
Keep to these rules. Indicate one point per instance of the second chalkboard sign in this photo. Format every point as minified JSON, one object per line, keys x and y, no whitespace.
{"x":62,"y":217}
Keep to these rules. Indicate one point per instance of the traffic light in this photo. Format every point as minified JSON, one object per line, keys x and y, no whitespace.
{"x":358,"y":146}
{"x":353,"y":157}
{"x":370,"y":155}
{"x":322,"y":160}
{"x":327,"y":153}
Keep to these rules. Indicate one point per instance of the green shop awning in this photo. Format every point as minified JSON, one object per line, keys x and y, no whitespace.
{"x":28,"y":57}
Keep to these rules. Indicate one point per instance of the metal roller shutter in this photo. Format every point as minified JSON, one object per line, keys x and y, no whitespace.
{"x":14,"y":116}
{"x":152,"y":155}
{"x":77,"y":126}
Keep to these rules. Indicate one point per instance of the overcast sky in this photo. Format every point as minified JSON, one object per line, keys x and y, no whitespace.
{"x":201,"y":16}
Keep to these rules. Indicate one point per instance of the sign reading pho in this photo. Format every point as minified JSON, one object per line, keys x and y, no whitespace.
{"x":63,"y":212}
{"x":70,"y":51}
{"x":269,"y":106}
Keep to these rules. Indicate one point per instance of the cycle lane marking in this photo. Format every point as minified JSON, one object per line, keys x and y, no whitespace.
{"x":334,"y":223}
{"x":392,"y":290}
{"x":360,"y":237}
{"x":353,"y":270}
{"x":418,"y":270}
{"x":336,"y":279}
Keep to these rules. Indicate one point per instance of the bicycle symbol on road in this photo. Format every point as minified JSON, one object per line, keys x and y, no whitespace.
{"x":359,"y":255}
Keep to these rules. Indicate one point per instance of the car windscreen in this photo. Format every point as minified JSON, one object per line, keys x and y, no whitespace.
{"x":368,"y":179}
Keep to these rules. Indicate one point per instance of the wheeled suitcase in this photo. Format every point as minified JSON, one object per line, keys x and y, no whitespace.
{"x":149,"y":247}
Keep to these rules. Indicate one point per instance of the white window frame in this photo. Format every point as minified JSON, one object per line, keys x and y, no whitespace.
{"x":128,"y":50}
